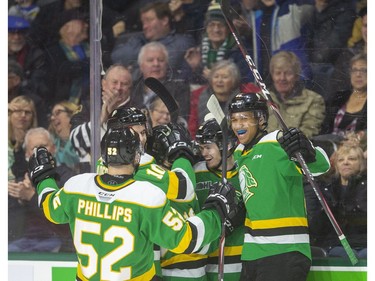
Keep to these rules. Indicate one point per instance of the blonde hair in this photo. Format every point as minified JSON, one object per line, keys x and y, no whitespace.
{"x":22,"y":101}
{"x":345,"y":150}
{"x":286,"y":58}
{"x":71,"y":109}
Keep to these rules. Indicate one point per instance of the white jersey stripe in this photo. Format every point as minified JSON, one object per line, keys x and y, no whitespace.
{"x":228,"y":268}
{"x":186,"y":273}
{"x":281,"y":239}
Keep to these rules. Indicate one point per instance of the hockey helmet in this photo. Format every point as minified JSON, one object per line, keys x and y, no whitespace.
{"x":126,"y":116}
{"x":210,"y":132}
{"x":249,"y":102}
{"x":120,"y":146}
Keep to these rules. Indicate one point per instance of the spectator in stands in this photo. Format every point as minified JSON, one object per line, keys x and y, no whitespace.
{"x":39,"y":235}
{"x":300,"y":107}
{"x":279,"y":25}
{"x":348,"y":110}
{"x":332,"y":24}
{"x":156,"y":24}
{"x":153,"y":60}
{"x":45,"y":27}
{"x":346,"y":195}
{"x":330,"y":29}
{"x":217,"y":44}
{"x":21,"y":117}
{"x":188,"y":16}
{"x":340,"y":79}
{"x":18,"y":86}
{"x":116,"y":88}
{"x":223,"y":82}
{"x":69,"y":59}
{"x":31,"y":58}
{"x":356,"y":35}
{"x":159,"y":115}
{"x":59,"y":127}
{"x":158,"y":112}
{"x":28,"y":9}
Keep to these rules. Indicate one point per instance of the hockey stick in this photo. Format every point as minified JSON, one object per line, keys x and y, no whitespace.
{"x":158,"y":88}
{"x":215,"y":109}
{"x":230,"y":14}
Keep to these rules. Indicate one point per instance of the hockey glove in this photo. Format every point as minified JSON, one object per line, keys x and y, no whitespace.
{"x":41,"y":165}
{"x":223,"y":199}
{"x":180,"y":149}
{"x":293,"y":141}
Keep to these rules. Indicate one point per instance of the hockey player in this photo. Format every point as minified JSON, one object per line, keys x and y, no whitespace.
{"x":178,"y":183}
{"x":166,"y":138}
{"x":115,"y":219}
{"x":276,"y":244}
{"x":210,"y":139}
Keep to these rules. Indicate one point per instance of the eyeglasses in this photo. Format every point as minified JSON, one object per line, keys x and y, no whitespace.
{"x":361,"y":71}
{"x":58,"y":112}
{"x":20,"y":112}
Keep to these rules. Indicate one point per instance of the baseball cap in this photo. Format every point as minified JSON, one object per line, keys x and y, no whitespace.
{"x":17,"y":23}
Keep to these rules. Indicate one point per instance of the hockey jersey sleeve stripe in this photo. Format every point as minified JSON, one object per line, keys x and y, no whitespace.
{"x":173,"y":187}
{"x":182,"y":186}
{"x":188,"y":241}
{"x":45,"y":187}
{"x":46,"y":208}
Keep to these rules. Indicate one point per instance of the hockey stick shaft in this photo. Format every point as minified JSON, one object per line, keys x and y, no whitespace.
{"x":215,"y":109}
{"x":229,"y":14}
{"x":159,"y":89}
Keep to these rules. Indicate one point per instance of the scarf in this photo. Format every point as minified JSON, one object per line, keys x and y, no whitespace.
{"x":210,"y":55}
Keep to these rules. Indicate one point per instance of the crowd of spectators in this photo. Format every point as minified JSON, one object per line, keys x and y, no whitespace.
{"x":312,"y":56}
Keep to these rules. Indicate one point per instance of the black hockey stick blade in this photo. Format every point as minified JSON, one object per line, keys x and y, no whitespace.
{"x":158,"y":88}
{"x":230,"y":14}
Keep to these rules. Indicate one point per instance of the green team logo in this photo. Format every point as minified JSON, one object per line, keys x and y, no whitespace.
{"x":247,"y":181}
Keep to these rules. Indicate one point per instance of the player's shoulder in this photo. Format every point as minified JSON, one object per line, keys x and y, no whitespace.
{"x":270,"y":137}
{"x":200,"y":167}
{"x":79,"y":182}
{"x":146,"y":159}
{"x":144,"y":193}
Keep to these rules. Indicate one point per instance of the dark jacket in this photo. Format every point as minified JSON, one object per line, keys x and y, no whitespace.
{"x":349,"y":207}
{"x":35,"y":68}
{"x":331,"y":30}
{"x":67,"y":76}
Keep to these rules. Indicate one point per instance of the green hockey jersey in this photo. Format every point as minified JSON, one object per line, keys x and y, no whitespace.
{"x":178,"y":184}
{"x":114,"y":227}
{"x":233,"y":243}
{"x":272,"y":190}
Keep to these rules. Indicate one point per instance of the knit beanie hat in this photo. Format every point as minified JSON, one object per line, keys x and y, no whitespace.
{"x":15,"y":68}
{"x":214,"y":13}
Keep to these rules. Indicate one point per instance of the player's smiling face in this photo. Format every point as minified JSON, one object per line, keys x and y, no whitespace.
{"x":211,"y":154}
{"x":244,"y":125}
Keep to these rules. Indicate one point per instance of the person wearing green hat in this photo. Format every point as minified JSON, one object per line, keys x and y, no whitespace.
{"x":217,"y":44}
